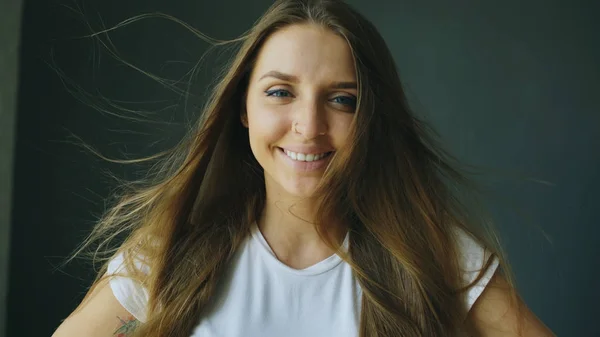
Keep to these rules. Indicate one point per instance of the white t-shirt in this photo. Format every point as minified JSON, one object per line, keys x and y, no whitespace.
{"x":261,"y":296}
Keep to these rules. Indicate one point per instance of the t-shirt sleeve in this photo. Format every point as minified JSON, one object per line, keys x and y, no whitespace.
{"x":131,"y":294}
{"x":473,"y":258}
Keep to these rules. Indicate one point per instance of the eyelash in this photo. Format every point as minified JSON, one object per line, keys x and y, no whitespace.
{"x":272,"y":93}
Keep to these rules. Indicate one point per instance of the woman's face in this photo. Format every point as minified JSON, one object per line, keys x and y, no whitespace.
{"x":299,"y":106}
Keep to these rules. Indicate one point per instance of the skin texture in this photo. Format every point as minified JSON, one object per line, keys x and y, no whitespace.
{"x":98,"y":315}
{"x":301,"y":97}
{"x":314,"y":59}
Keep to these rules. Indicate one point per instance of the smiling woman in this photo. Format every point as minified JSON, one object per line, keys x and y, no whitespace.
{"x":300,"y":105}
{"x":309,"y":201}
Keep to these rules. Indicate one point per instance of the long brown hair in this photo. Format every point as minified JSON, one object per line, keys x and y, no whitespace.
{"x":395,"y":189}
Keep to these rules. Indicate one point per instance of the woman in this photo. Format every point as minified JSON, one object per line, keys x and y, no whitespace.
{"x":308,"y":202}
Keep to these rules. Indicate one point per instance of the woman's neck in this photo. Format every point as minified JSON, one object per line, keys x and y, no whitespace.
{"x":287,"y":225}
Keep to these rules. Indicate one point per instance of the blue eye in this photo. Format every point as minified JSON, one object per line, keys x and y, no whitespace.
{"x":278,"y":93}
{"x":345,"y":100}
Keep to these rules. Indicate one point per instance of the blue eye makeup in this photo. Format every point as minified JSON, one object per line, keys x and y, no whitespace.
{"x":278,"y":93}
{"x":345,"y":100}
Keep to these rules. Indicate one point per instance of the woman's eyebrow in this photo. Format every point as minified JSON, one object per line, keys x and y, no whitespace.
{"x":294,"y":79}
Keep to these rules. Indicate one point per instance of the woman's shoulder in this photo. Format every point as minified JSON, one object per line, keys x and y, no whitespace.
{"x":132,"y":295}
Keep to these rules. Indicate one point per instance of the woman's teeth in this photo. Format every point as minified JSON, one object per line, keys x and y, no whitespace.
{"x":305,"y":157}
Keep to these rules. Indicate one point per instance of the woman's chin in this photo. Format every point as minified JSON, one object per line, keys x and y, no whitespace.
{"x":301,"y":191}
{"x":292,"y":186}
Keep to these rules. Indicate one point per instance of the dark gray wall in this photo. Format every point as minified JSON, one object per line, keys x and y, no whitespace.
{"x":510,"y":85}
{"x":10,"y":22}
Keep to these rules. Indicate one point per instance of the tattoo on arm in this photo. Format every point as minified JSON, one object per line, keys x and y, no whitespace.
{"x":126,"y":326}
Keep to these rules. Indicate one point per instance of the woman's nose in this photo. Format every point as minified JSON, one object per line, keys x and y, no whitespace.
{"x":310,"y":122}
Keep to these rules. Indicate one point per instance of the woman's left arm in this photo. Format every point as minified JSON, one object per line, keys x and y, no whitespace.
{"x":493,"y":314}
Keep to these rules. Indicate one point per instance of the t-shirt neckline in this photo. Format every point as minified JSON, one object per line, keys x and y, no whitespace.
{"x":320,"y":267}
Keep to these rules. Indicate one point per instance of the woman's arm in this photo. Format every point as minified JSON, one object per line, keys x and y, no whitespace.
{"x":99,"y":315}
{"x":493,"y":315}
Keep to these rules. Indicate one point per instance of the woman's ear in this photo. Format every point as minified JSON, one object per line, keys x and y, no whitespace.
{"x":244,"y":118}
{"x":244,"y":112}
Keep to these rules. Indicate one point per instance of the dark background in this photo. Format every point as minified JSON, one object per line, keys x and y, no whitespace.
{"x":511,"y":86}
{"x":10,"y":19}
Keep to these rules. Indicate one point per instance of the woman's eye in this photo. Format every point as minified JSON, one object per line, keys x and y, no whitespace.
{"x":345,"y":100}
{"x":278,"y":93}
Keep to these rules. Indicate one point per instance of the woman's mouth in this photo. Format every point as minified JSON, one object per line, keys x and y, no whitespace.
{"x":306,"y":157}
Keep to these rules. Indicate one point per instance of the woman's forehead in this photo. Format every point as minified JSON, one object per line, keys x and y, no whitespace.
{"x":307,"y":52}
